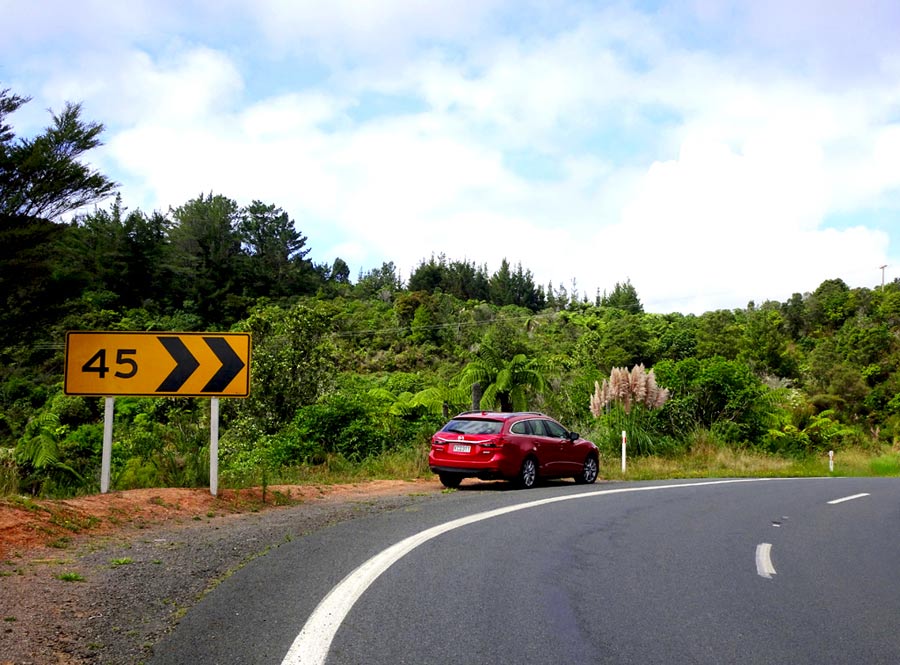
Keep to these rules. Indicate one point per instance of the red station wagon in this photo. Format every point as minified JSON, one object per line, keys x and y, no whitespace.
{"x":521,"y":447}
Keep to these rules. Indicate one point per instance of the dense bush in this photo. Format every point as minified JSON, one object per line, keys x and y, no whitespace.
{"x":362,"y":372}
{"x":716,"y":394}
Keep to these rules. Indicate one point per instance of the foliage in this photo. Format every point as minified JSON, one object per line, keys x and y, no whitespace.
{"x":39,"y":455}
{"x":340,"y":424}
{"x":465,"y":281}
{"x":624,"y":297}
{"x":292,"y":360}
{"x":347,"y":376}
{"x":9,"y":472}
{"x":717,"y":394}
{"x":275,"y":265}
{"x":504,"y":384}
{"x":821,"y":434}
{"x":42,"y":177}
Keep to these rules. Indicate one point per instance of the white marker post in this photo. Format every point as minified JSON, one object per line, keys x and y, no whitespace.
{"x":831,"y":461}
{"x":106,"y":454}
{"x":624,"y":437}
{"x":214,"y":446}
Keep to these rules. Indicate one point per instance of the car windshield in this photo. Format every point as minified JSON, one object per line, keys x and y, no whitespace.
{"x":473,"y":426}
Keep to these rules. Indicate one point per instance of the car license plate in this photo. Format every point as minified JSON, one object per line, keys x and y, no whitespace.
{"x":462,"y":448}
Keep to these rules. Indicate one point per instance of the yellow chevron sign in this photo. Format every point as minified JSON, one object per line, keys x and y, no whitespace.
{"x":157,"y":364}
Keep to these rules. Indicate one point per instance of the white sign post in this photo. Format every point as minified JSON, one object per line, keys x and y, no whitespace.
{"x":214,"y":446}
{"x":106,"y":455}
{"x":831,"y":461}
{"x":624,"y":437}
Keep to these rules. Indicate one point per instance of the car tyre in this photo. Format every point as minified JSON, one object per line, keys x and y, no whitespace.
{"x":450,"y":480}
{"x":589,"y":471}
{"x":527,"y":474}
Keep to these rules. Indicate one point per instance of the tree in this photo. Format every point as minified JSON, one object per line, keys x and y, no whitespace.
{"x":718,"y":334}
{"x":293,"y":363}
{"x":340,"y":271}
{"x":42,"y":177}
{"x":428,"y":275}
{"x":466,"y":281}
{"x":276,"y":256}
{"x":32,"y":292}
{"x":508,"y":287}
{"x":717,"y":394}
{"x":624,"y":297}
{"x":381,"y":283}
{"x":503,"y":383}
{"x":829,"y":305}
{"x":614,"y":338}
{"x":764,"y":342}
{"x":206,"y":258}
{"x":120,"y":254}
{"x":678,"y":336}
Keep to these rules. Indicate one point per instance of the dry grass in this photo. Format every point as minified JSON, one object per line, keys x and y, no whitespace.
{"x":709,"y":461}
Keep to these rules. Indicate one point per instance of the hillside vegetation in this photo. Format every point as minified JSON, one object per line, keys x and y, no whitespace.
{"x":353,"y":375}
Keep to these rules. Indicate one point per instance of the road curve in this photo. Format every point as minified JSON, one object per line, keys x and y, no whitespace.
{"x":615,"y":573}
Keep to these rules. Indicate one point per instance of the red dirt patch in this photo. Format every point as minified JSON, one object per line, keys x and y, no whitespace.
{"x":28,"y":523}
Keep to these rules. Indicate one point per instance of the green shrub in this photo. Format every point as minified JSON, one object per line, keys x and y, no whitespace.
{"x":820,"y":434}
{"x":340,"y":424}
{"x":136,"y":473}
{"x":9,"y":472}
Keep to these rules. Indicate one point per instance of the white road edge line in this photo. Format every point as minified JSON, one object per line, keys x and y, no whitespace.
{"x":848,"y":498}
{"x":314,"y":641}
{"x":764,"y":567}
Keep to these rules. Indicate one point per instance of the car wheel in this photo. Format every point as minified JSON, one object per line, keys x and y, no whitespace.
{"x":451,"y":480}
{"x":527,"y":474}
{"x":589,"y":471}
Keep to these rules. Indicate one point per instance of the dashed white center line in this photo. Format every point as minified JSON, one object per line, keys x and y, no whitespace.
{"x":847,"y":498}
{"x":764,"y":567}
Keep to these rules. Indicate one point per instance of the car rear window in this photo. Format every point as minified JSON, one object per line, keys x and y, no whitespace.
{"x":473,"y":426}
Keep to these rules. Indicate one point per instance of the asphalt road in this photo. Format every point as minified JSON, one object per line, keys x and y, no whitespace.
{"x":677,"y":572}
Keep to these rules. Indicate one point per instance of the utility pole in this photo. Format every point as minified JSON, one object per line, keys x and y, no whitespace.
{"x":882,"y":276}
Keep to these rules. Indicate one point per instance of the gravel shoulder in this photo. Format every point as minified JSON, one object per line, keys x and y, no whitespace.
{"x":102,"y":579}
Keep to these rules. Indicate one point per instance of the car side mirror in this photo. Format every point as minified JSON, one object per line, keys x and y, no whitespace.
{"x":574,"y":436}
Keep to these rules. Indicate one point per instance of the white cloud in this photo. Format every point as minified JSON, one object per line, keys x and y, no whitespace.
{"x":347,"y":29}
{"x":704,"y":177}
{"x":718,"y":228}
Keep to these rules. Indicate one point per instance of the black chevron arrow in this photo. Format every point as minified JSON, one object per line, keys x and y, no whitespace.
{"x":186,"y":365}
{"x":231,"y":364}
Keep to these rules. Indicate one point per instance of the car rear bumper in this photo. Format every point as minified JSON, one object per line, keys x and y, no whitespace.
{"x":483,"y":474}
{"x":485,"y":466}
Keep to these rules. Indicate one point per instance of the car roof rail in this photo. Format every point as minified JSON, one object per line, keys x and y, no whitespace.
{"x":501,"y":414}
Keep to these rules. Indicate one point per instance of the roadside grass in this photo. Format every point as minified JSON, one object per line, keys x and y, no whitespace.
{"x":406,"y":463}
{"x":716,"y":462}
{"x":705,"y":459}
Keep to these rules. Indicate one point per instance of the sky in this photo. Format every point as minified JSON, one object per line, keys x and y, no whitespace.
{"x":712,"y":153}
